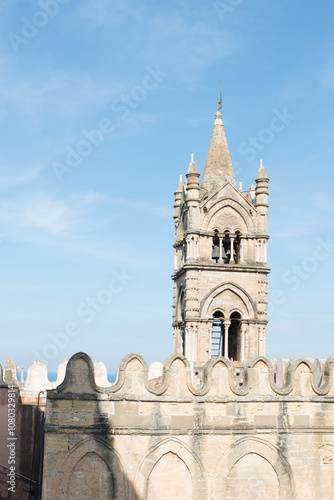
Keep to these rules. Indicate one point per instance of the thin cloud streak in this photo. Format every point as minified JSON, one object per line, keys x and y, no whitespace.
{"x":39,"y":213}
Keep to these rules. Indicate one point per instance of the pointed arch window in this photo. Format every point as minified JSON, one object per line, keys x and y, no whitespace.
{"x":226,"y":339}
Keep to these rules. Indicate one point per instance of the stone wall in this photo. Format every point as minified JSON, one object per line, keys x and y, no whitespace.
{"x":191,"y":439}
{"x":21,"y":424}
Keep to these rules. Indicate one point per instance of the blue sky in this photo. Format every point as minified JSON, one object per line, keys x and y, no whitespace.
{"x":133,"y":87}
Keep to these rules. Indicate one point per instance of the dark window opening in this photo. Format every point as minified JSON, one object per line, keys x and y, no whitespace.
{"x":234,"y":337}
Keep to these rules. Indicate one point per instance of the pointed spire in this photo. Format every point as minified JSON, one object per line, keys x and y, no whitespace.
{"x":192,"y":166}
{"x":218,"y":167}
{"x":262,"y":174}
{"x":179,"y":188}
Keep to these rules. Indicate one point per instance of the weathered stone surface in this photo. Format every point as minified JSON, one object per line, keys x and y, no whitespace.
{"x":178,"y":441}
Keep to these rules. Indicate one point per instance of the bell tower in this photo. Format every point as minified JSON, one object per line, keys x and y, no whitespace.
{"x":220,"y":272}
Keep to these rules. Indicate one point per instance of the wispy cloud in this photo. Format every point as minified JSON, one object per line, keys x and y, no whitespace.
{"x":149,"y":208}
{"x":327,"y":78}
{"x":79,"y":215}
{"x":62,"y":94}
{"x":323,"y":203}
{"x":101,"y":12}
{"x":15,"y":176}
{"x":326,"y":75}
{"x":92,"y":197}
{"x":182,"y":38}
{"x":39,"y":213}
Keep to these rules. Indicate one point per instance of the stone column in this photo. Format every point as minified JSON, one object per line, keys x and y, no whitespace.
{"x":210,"y":328}
{"x":208,"y":247}
{"x":184,"y":252}
{"x":265,"y":251}
{"x":178,"y":342}
{"x":244,"y":332}
{"x":227,"y":324}
{"x":191,"y":343}
{"x":232,"y":248}
{"x":262,"y":251}
{"x":242,"y":344}
{"x":187,"y":339}
{"x":241,"y":259}
{"x":187,"y":249}
{"x":261,"y":348}
{"x":220,"y":250}
{"x":264,"y":331}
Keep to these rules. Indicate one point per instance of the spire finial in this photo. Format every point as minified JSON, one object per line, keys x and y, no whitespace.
{"x":261,"y":163}
{"x":180,"y":178}
{"x":192,"y":158}
{"x":220,"y":102}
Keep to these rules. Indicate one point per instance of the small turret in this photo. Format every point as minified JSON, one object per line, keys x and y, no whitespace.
{"x":192,"y":184}
{"x":179,"y":194}
{"x":193,"y":194}
{"x":261,"y":202}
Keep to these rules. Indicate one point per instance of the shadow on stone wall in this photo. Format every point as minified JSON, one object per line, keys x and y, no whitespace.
{"x":90,"y":468}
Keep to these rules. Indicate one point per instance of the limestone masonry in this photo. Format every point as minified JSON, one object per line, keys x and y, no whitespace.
{"x":220,"y":277}
{"x":216,"y":421}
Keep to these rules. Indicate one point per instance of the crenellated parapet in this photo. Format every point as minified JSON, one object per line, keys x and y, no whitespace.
{"x":176,"y":377}
{"x":37,"y":382}
{"x":220,"y":378}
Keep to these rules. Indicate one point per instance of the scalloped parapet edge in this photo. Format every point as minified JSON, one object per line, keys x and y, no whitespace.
{"x":175,"y":377}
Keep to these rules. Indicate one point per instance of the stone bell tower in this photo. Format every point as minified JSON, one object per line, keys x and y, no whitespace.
{"x":220,"y":276}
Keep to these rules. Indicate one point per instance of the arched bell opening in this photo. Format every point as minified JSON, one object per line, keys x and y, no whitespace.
{"x":217,"y":338}
{"x":234,"y":337}
{"x":226,"y":248}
